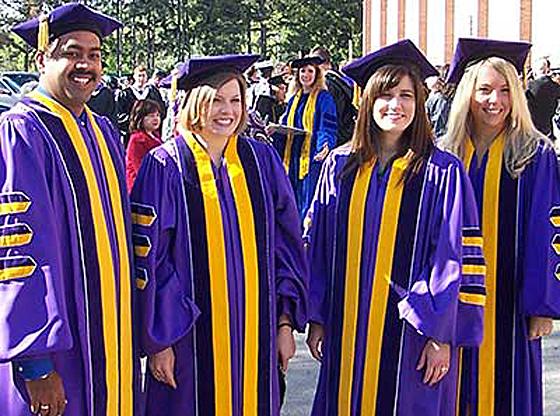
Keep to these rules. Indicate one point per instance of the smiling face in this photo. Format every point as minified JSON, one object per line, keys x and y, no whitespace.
{"x":394,"y":109}
{"x":307,"y":75}
{"x":490,"y":102}
{"x":151,"y":122}
{"x":72,"y":70}
{"x":225,"y":112}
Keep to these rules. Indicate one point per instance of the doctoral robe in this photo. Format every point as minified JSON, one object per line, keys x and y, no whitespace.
{"x":219,"y":257}
{"x":392,"y":265}
{"x":65,"y":266}
{"x":520,"y":221}
{"x":324,"y":131}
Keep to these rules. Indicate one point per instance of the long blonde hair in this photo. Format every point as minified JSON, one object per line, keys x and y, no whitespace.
{"x":318,"y":84}
{"x":522,"y":138}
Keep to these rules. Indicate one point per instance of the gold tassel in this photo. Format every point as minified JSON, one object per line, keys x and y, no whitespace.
{"x":43,"y":36}
{"x":173,"y":92}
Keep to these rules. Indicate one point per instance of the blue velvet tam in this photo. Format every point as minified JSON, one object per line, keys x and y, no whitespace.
{"x":64,"y":19}
{"x":194,"y":71}
{"x":403,"y":52}
{"x":469,"y":51}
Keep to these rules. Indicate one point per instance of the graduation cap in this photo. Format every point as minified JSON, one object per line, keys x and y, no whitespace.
{"x":40,"y":31}
{"x":278,"y":79}
{"x":264,"y":64}
{"x":307,"y":60}
{"x":403,"y":52}
{"x":195,"y":70}
{"x":471,"y":50}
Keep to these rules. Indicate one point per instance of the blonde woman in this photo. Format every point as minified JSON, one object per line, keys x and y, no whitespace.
{"x":310,"y":108}
{"x":514,"y":172}
{"x":219,"y":259}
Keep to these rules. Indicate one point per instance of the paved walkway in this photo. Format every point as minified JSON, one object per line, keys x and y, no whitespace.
{"x":303,"y":370}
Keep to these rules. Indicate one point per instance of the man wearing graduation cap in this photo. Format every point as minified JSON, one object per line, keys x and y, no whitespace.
{"x":65,"y":303}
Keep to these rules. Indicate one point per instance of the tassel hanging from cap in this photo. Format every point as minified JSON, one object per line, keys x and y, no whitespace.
{"x":43,"y":36}
{"x":173,"y":92}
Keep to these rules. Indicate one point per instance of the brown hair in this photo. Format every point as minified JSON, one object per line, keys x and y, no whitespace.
{"x":318,"y":84}
{"x":417,"y":137}
{"x":199,"y":100}
{"x":141,"y":109}
{"x":140,"y":68}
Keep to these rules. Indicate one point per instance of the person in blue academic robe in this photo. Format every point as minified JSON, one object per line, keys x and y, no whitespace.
{"x":65,"y":267}
{"x":219,"y":257}
{"x":311,"y":108}
{"x":514,"y":172}
{"x":397,"y":273}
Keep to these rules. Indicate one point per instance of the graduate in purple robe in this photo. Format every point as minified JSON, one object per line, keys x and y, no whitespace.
{"x":397,"y":273}
{"x":65,"y":266}
{"x":219,"y":256}
{"x":311,"y":108}
{"x":514,"y":172}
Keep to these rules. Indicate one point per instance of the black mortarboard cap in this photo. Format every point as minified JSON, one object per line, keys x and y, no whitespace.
{"x":307,"y":60}
{"x":67,"y":18}
{"x":471,"y":50}
{"x":403,"y":52}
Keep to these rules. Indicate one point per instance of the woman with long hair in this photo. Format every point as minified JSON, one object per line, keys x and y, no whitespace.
{"x":397,"y":274}
{"x":145,"y":120}
{"x":311,"y":108}
{"x":514,"y":172}
{"x":220,"y":262}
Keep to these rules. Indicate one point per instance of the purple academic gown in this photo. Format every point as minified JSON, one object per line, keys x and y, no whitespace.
{"x":53,"y":301}
{"x":183,"y":205}
{"x":526,"y":229}
{"x":386,"y":275}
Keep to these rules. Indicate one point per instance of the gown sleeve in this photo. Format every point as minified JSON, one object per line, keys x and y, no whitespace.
{"x":166,"y":312}
{"x":34,"y":320}
{"x":326,"y":123}
{"x":318,"y":243}
{"x":435,"y":305}
{"x":292,"y":275}
{"x":541,"y":245}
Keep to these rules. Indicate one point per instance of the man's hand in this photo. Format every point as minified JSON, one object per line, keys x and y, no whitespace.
{"x":315,"y":338}
{"x":47,"y":397}
{"x":539,"y":327}
{"x":162,"y":366}
{"x":435,"y":359}
{"x":319,"y":157}
{"x":286,"y":346}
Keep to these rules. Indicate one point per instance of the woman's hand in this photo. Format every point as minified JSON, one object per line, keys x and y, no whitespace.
{"x":435,"y":359}
{"x":286,"y":346}
{"x":162,"y":366}
{"x":539,"y":326}
{"x":46,"y":395}
{"x":319,"y":157}
{"x":315,"y":338}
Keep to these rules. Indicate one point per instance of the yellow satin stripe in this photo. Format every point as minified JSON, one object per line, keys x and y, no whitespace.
{"x":290,"y":121}
{"x":15,"y":240}
{"x":474,"y":269}
{"x":218,"y":278}
{"x":459,"y":371}
{"x":473,"y":241}
{"x":381,"y":279}
{"x":142,"y":251}
{"x":308,"y":124}
{"x":356,"y":96}
{"x":17,"y":272}
{"x":556,"y":247}
{"x":145,"y":220}
{"x":555,"y":221}
{"x":14,"y":207}
{"x":490,"y":218}
{"x":356,"y":214}
{"x":104,"y":254}
{"x":245,"y":218}
{"x":472,"y":298}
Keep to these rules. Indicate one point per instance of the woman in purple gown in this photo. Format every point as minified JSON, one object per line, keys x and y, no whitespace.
{"x":219,"y":257}
{"x":397,"y":274}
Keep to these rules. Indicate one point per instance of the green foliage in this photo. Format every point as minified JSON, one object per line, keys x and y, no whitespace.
{"x":160,"y":33}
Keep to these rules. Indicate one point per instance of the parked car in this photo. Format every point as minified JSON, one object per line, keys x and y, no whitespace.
{"x":9,"y":85}
{"x":21,"y":77}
